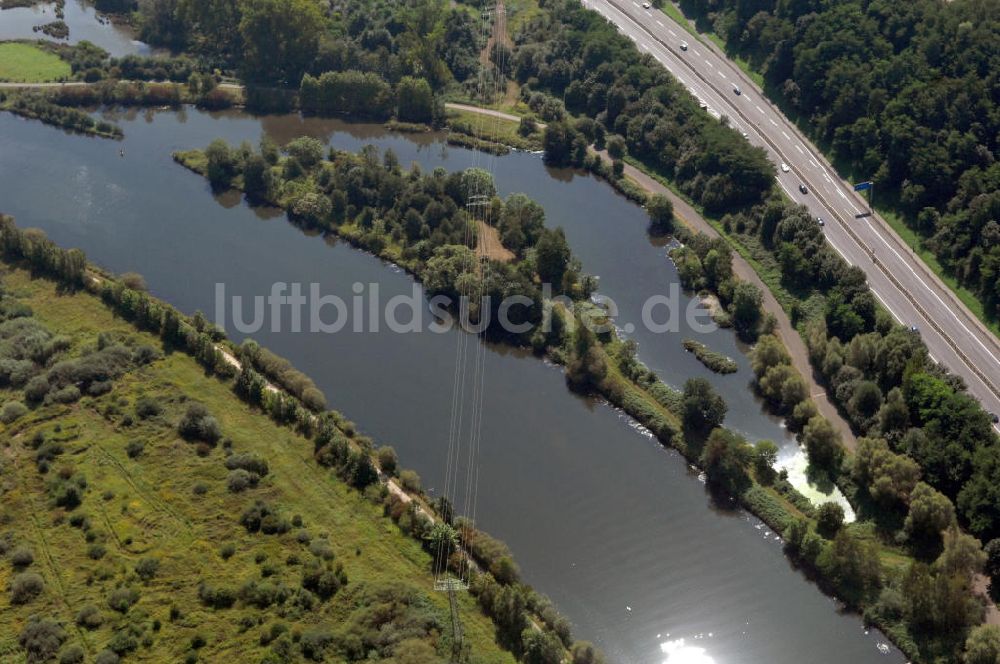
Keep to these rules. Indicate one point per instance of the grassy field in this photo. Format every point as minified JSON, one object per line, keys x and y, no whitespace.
{"x":24,"y":63}
{"x":170,"y":503}
{"x":493,"y":129}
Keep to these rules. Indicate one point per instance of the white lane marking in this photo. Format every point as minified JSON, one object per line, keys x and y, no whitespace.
{"x":672,"y":33}
{"x":708,"y":63}
{"x":887,"y":307}
{"x":936,"y":296}
{"x":813,"y":162}
{"x":722,"y":75}
{"x":697,"y":53}
{"x":771,"y":120}
{"x":760,"y":109}
{"x":842,"y":254}
{"x":782,"y":185}
{"x":659,"y":22}
{"x":799,"y":149}
{"x":787,"y":137}
{"x":649,"y":14}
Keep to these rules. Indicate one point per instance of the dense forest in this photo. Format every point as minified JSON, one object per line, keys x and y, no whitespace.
{"x":573,"y":54}
{"x":275,"y":42}
{"x":904,"y":93}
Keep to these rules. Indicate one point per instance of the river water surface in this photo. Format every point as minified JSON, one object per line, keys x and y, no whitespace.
{"x":616,"y":529}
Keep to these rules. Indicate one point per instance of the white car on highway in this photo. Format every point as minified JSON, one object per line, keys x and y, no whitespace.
{"x":784,"y":167}
{"x":684,"y":46}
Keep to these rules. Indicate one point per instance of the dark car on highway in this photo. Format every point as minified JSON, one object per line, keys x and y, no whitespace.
{"x":803,"y":189}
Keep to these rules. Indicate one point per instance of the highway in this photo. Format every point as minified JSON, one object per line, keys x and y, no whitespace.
{"x":900,"y":280}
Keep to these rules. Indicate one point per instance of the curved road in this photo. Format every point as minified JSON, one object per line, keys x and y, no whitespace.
{"x":899,"y":279}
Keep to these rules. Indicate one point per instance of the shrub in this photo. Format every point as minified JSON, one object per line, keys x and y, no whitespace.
{"x":36,"y":389}
{"x":199,"y":425}
{"x":387,"y":460}
{"x":227,"y":551}
{"x":96,"y":551}
{"x":121,"y":599}
{"x":42,"y":638}
{"x":71,"y":655}
{"x":106,"y":657}
{"x":68,"y":394}
{"x":217,"y":598}
{"x":147,"y":568}
{"x":145,"y":354}
{"x":21,"y":557}
{"x":314,"y":644}
{"x":322,"y":581}
{"x":240,"y":480}
{"x":248,"y":461}
{"x":147,"y":407}
{"x":12,"y":411}
{"x":410,"y":481}
{"x":829,"y":519}
{"x":261,"y":517}
{"x":25,"y":587}
{"x":122,"y":642}
{"x":134,"y":448}
{"x":89,"y":617}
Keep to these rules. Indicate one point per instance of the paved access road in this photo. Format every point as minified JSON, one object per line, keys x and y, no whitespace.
{"x":907,"y":288}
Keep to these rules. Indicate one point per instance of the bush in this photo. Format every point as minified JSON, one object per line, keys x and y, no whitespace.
{"x":134,"y":448}
{"x":121,"y":599}
{"x":42,"y":638}
{"x":21,"y":557}
{"x":240,"y":480}
{"x":122,"y":642}
{"x":36,"y":389}
{"x":829,"y":519}
{"x":410,"y":481}
{"x":217,"y":598}
{"x":96,"y":551}
{"x":11,"y":411}
{"x":199,"y":425}
{"x":73,"y":654}
{"x":26,"y":587}
{"x":68,"y":394}
{"x":106,"y":657}
{"x":147,"y":407}
{"x":314,"y":644}
{"x":227,"y":551}
{"x":387,"y":460}
{"x":248,"y":461}
{"x":147,"y":568}
{"x":89,"y":617}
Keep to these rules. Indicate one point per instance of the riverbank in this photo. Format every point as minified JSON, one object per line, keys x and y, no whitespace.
{"x":90,"y":293}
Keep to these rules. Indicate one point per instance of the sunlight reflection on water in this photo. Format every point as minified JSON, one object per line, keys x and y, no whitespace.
{"x":679,"y":652}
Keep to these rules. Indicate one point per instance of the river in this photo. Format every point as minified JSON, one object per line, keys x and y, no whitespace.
{"x":616,"y":529}
{"x":84,"y":22}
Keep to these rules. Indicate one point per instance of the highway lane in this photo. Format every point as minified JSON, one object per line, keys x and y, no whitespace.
{"x":899,"y":279}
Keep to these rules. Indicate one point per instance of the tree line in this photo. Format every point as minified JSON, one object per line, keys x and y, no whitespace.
{"x":570,"y":53}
